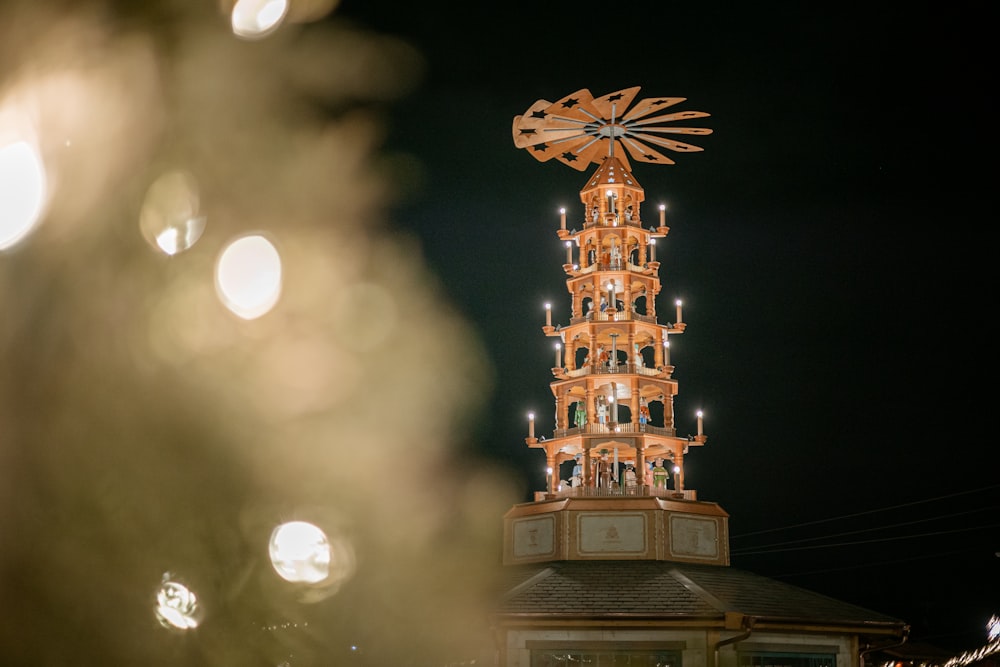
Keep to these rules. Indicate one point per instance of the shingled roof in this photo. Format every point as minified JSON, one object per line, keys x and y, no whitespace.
{"x":670,"y":591}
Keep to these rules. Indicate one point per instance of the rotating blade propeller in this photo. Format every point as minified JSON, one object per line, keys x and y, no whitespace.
{"x":579,"y":129}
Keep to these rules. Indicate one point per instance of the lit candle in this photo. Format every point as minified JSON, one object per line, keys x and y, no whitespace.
{"x":548,"y":479}
{"x":663,"y":215}
{"x":558,"y":359}
{"x":548,"y":314}
{"x":562,"y":218}
{"x":531,"y":425}
{"x":652,"y":250}
{"x":701,"y":425}
{"x":678,"y":304}
{"x":569,"y":252}
{"x":666,"y":353}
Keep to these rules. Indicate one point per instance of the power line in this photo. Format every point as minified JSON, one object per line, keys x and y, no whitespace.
{"x":896,"y":561}
{"x":850,"y":516}
{"x":868,"y":530}
{"x":768,"y":550}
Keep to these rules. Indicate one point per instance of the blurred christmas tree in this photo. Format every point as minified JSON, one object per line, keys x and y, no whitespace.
{"x":165,"y":404}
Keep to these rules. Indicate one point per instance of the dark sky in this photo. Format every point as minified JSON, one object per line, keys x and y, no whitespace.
{"x":831,"y":246}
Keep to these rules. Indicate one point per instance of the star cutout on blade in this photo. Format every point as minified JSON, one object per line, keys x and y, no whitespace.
{"x":580,"y":129}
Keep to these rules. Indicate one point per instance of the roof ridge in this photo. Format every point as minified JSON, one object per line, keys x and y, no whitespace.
{"x":685,"y":581}
{"x":528,"y":583}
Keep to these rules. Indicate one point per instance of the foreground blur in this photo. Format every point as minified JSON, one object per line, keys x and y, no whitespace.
{"x":217,"y":443}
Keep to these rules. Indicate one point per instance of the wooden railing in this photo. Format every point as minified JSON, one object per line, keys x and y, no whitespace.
{"x":623,"y":427}
{"x":617,"y":492}
{"x":614,"y":316}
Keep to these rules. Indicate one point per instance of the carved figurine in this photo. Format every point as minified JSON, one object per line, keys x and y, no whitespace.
{"x":659,"y":474}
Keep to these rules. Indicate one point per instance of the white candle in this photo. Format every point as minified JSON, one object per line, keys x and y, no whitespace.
{"x":701,"y":425}
{"x":562,"y":218}
{"x":663,"y":215}
{"x":652,"y":250}
{"x":678,"y":304}
{"x":548,"y":314}
{"x":531,"y":425}
{"x":666,"y":353}
{"x":558,"y":360}
{"x":569,"y":252}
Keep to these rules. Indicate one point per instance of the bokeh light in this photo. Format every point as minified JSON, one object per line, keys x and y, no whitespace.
{"x":248,"y":276}
{"x":177,"y":606}
{"x":300,"y":552}
{"x":253,"y":19}
{"x":22,"y":192}
{"x":170,"y":220}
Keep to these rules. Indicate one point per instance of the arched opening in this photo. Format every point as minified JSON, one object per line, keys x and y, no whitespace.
{"x":655,"y":412}
{"x":639,"y":304}
{"x":624,"y":413}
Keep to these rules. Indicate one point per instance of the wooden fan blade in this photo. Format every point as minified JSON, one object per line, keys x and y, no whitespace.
{"x":613,"y":105}
{"x":570,"y":102}
{"x":576,"y":160}
{"x":526,"y":127}
{"x":595,"y":151}
{"x":567,"y":152}
{"x":673,"y":130}
{"x":678,"y":146}
{"x":669,"y":118}
{"x":643,"y":153}
{"x":651,"y":105}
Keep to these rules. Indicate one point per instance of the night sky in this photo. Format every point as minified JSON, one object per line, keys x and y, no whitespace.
{"x":831,"y":247}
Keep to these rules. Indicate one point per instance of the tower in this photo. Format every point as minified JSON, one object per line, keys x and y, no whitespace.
{"x":614,"y":372}
{"x":613,"y":383}
{"x":611,"y":564}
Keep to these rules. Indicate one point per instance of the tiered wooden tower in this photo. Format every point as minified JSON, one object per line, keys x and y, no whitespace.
{"x":615,"y":436}
{"x":607,"y":568}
